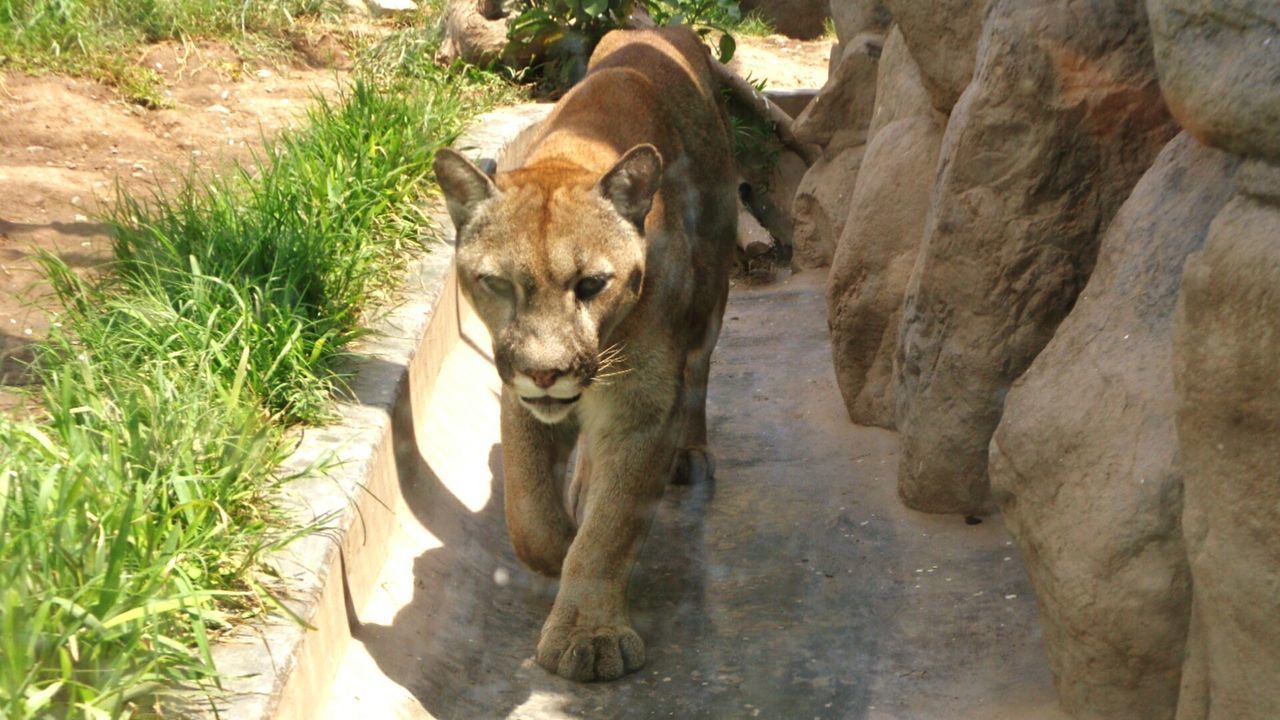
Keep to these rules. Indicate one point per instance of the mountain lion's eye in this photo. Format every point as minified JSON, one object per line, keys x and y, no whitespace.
{"x":589,"y":287}
{"x":495,"y":284}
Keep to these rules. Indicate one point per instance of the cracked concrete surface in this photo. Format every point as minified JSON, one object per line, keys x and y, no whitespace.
{"x":793,"y":586}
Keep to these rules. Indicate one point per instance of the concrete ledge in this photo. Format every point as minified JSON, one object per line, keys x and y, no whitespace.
{"x":277,"y":668}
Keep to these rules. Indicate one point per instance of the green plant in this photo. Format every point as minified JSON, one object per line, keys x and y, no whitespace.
{"x":293,"y":236}
{"x":136,"y":513}
{"x":133,"y":517}
{"x":557,"y":36}
{"x":756,"y":147}
{"x":754,"y":24}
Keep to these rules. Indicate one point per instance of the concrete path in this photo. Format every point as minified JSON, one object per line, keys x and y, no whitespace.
{"x":794,"y":586}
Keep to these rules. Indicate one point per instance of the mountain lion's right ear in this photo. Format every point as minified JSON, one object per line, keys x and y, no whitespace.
{"x":632,"y":182}
{"x":465,"y":186}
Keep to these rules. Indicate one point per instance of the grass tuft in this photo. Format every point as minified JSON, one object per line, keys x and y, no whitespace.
{"x":297,"y":245}
{"x":753,"y":24}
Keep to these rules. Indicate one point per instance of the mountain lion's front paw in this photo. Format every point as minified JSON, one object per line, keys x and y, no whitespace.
{"x":605,"y":652}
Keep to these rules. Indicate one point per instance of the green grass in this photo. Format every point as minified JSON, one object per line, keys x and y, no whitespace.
{"x":753,"y":24}
{"x":136,"y":509}
{"x":99,"y":38}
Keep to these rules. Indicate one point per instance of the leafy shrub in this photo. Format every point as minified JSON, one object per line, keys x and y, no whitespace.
{"x":561,"y":34}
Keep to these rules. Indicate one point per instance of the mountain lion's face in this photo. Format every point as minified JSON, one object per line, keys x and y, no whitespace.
{"x":552,"y":259}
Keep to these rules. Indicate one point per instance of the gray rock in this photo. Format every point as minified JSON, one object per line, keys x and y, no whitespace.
{"x":1219,"y":66}
{"x":943,"y":37}
{"x":838,"y":117}
{"x":1062,"y":118}
{"x":821,"y":205}
{"x":1084,"y":462}
{"x":881,"y":237}
{"x":1227,"y":377}
{"x":900,"y":89}
{"x":853,"y":17}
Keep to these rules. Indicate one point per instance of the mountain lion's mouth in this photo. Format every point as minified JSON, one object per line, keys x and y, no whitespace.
{"x":548,"y":401}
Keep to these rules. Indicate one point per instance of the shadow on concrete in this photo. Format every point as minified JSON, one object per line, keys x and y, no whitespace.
{"x":464,"y":645}
{"x":793,"y":586}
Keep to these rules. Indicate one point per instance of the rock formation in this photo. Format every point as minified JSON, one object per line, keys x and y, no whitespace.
{"x":1061,"y":119}
{"x":881,"y":236}
{"x":1218,"y":64}
{"x":1084,"y":462}
{"x":1228,"y":387}
{"x":820,"y":206}
{"x":1136,"y":459}
{"x":855,"y":17}
{"x":837,"y":120}
{"x":943,"y":38}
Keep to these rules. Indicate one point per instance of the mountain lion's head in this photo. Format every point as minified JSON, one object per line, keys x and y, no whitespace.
{"x":552,"y":257}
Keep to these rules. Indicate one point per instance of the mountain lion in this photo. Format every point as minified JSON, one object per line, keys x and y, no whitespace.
{"x":600,"y":263}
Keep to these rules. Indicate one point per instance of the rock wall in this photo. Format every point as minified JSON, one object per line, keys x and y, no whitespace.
{"x":855,"y":17}
{"x":1128,"y":414}
{"x":1227,"y":373}
{"x":943,"y":38}
{"x":1061,"y":119}
{"x":1084,"y":462}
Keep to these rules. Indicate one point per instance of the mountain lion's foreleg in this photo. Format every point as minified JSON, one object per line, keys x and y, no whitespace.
{"x":534,"y":460}
{"x":588,"y":635}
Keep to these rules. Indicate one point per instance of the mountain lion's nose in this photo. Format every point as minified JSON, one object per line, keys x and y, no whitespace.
{"x":544,"y":378}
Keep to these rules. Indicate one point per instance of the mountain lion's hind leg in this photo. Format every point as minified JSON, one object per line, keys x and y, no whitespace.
{"x":695,"y":463}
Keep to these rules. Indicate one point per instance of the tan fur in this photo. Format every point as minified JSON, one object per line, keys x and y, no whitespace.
{"x":636,"y":355}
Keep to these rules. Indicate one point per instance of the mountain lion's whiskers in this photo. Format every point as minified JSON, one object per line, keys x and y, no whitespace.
{"x":610,"y":357}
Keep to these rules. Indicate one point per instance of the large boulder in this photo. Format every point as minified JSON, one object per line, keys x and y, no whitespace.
{"x":1219,"y":65}
{"x":837,"y":120}
{"x":882,"y":234}
{"x":900,"y":89}
{"x":873,"y":263}
{"x":839,"y":115}
{"x":794,"y":18}
{"x":853,"y":17}
{"x":1218,"y":62}
{"x":821,"y":206}
{"x":1062,"y":118}
{"x":943,"y":37}
{"x":1226,"y":346}
{"x":1084,"y":462}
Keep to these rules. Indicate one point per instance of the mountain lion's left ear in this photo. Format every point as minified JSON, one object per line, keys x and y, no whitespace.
{"x":464,"y":185}
{"x":631,"y":183}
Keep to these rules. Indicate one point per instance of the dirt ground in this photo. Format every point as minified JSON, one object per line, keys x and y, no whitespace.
{"x":783,"y":62}
{"x":65,"y":142}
